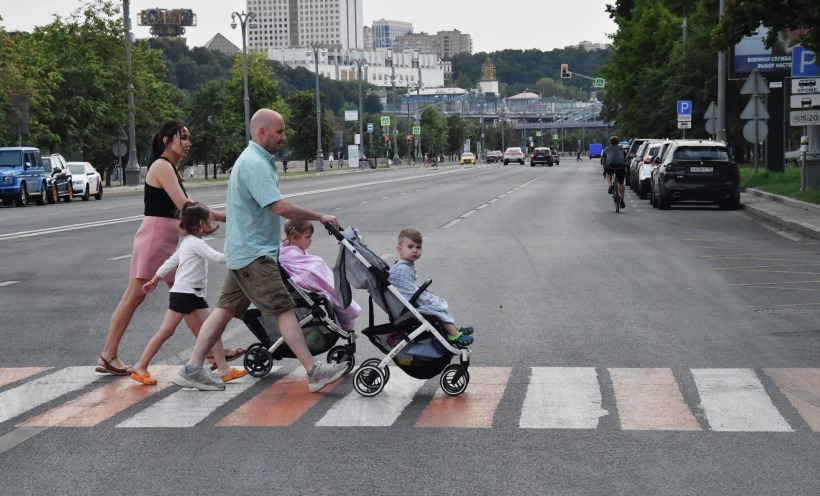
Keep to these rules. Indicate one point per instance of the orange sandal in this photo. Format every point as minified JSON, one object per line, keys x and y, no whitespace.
{"x":144,"y":378}
{"x":234,"y":374}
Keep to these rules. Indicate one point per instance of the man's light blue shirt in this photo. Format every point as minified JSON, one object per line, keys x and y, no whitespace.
{"x":252,"y":227}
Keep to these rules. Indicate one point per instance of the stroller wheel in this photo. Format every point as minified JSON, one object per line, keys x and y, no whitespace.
{"x":375,"y":362}
{"x":368,"y":380}
{"x":339,"y":354}
{"x":258,"y":361}
{"x":452,"y":382}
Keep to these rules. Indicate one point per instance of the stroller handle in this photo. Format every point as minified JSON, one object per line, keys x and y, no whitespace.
{"x":331,"y":229}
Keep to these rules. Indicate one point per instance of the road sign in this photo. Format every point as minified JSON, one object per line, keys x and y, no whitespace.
{"x":684,"y":117}
{"x":711,"y":112}
{"x":805,"y":102}
{"x":416,"y":130}
{"x":351,"y":115}
{"x":710,"y":125}
{"x":555,"y":136}
{"x":805,"y":85}
{"x":385,"y":119}
{"x":804,"y":117}
{"x":119,"y":149}
{"x":369,"y":127}
{"x":755,"y":130}
{"x":755,"y":84}
{"x":804,"y":63}
{"x":684,"y":107}
{"x":684,"y":125}
{"x":754,"y":109}
{"x":599,"y":82}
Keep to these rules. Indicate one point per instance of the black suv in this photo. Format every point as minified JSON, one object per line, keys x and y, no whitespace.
{"x":541,"y":155}
{"x":697,"y":170}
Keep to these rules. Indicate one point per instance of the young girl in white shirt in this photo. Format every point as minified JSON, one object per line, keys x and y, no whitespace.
{"x":188,"y":292}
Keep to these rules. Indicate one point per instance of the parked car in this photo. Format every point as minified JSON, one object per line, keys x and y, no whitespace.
{"x":642,"y":179}
{"x":630,"y":150}
{"x":493,"y":156}
{"x":556,"y":157}
{"x":656,"y":163}
{"x":541,"y":155}
{"x":697,"y":170}
{"x":59,"y":184}
{"x":22,"y":177}
{"x":467,"y":158}
{"x":86,"y":180}
{"x":513,"y":154}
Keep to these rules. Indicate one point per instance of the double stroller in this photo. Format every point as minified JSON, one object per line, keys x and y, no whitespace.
{"x":414,"y":342}
{"x":316,"y":318}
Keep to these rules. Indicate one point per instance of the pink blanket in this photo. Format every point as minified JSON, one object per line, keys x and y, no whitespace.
{"x":311,"y":273}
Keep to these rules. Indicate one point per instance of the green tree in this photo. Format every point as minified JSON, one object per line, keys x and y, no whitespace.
{"x":217,"y":131}
{"x":742,"y":18}
{"x":302,"y":136}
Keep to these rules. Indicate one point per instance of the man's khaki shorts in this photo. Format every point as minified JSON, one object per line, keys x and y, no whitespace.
{"x":259,"y":283}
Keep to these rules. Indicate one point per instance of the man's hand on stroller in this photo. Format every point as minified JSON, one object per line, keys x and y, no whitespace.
{"x":325,"y":219}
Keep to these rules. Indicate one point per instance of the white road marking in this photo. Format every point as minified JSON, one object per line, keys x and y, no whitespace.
{"x":8,"y":283}
{"x":188,"y":407}
{"x":37,"y":392}
{"x":735,"y":400}
{"x":379,"y":411}
{"x":562,"y":398}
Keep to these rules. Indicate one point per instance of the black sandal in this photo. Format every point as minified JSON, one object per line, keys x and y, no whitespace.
{"x":108,"y":368}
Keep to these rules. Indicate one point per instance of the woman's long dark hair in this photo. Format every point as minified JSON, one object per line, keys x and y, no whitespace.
{"x":169,"y":129}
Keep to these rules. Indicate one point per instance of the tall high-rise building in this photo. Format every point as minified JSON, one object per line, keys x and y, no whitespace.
{"x":384,"y":33}
{"x":295,"y":23}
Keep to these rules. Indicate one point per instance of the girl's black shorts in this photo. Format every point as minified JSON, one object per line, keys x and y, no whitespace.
{"x":186,"y":303}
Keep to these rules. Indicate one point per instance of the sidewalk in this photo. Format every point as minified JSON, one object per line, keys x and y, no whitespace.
{"x":796,"y":215}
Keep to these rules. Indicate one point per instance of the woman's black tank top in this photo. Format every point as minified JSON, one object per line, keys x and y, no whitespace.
{"x":159,"y":204}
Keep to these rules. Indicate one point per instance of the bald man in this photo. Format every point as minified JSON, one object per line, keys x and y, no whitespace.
{"x":253,"y":230}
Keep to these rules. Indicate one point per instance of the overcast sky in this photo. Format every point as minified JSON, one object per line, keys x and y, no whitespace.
{"x":515,"y":24}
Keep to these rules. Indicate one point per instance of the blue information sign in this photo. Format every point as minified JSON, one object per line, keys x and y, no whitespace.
{"x":684,"y":107}
{"x":804,"y":63}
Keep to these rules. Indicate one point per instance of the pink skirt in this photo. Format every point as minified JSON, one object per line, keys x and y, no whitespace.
{"x":155,"y":242}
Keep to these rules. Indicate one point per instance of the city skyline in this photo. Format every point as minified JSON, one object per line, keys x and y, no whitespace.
{"x":488,"y":33}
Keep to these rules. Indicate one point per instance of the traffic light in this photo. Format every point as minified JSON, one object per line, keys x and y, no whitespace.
{"x":565,"y":71}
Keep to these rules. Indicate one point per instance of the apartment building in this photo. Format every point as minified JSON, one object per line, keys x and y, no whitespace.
{"x":445,"y":44}
{"x":296,"y":23}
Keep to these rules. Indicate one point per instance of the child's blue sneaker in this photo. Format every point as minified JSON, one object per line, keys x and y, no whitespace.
{"x":466,"y":330}
{"x":461,"y":339}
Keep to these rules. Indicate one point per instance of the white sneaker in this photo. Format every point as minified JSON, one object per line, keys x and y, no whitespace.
{"x":324,"y":374}
{"x":198,"y":380}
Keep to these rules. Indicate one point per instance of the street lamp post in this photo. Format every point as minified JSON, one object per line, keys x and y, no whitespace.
{"x":245,"y":20}
{"x":132,"y":169}
{"x":359,"y":63}
{"x":395,"y":133}
{"x":315,"y":48}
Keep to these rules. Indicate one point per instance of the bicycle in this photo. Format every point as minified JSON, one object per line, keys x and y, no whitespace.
{"x":616,"y":195}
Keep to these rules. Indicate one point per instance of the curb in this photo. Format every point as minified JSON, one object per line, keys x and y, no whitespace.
{"x":801,"y":208}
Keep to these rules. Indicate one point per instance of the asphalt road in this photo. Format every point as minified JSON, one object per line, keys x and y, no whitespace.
{"x":646,"y":352}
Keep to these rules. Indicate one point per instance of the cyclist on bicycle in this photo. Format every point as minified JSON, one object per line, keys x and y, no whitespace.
{"x":613,"y":160}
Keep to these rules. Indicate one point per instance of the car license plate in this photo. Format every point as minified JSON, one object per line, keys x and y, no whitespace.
{"x":701,"y":169}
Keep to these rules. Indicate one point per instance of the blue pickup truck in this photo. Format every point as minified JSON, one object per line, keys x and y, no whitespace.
{"x":22,"y":177}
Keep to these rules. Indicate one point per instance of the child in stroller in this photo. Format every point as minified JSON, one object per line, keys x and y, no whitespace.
{"x":416,"y":343}
{"x":322,"y":318}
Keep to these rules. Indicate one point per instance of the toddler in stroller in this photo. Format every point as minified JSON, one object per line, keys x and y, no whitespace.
{"x":416,"y":343}
{"x":322,"y":318}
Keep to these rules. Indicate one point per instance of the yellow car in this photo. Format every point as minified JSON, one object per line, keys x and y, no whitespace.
{"x":467,"y":158}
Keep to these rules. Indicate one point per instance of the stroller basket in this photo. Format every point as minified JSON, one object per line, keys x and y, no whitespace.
{"x":318,"y":336}
{"x":423,"y":358}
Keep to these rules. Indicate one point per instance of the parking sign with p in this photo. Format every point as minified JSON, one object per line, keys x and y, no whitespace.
{"x":684,"y":107}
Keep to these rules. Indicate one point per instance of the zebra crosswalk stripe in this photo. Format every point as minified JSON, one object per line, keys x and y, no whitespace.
{"x":734,"y":400}
{"x":36,"y":392}
{"x":562,"y":398}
